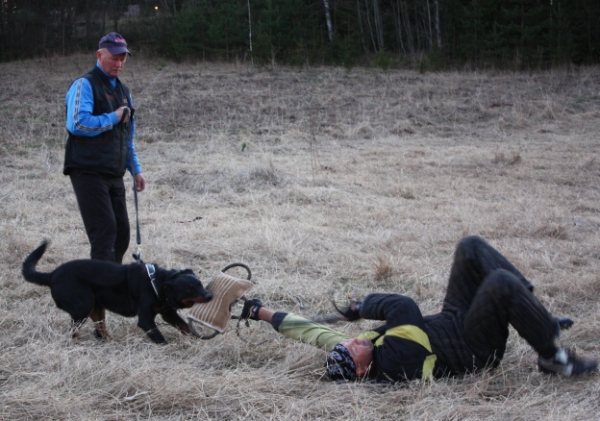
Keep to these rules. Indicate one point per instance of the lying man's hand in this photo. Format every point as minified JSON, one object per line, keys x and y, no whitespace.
{"x":350,"y":313}
{"x":250,"y":310}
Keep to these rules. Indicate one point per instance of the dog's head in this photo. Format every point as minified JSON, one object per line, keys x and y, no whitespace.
{"x":182,"y":290}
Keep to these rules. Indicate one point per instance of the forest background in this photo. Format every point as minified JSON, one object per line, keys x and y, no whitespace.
{"x":427,"y":34}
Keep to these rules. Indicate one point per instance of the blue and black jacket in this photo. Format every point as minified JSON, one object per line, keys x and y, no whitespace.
{"x":97,"y":142}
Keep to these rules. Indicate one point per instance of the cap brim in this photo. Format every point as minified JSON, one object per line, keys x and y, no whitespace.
{"x":115,"y":51}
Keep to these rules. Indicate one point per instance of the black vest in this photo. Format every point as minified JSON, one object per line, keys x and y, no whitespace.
{"x":107,"y":152}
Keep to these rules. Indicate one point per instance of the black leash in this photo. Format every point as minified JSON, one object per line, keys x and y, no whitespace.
{"x":138,"y":236}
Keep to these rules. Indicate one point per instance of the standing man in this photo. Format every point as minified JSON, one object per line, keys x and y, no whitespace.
{"x":100,"y":147}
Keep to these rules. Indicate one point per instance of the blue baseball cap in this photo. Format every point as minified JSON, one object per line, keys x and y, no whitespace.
{"x":114,"y":43}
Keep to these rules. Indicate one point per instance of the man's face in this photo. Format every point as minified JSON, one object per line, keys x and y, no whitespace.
{"x":361,"y":351}
{"x":112,"y":65}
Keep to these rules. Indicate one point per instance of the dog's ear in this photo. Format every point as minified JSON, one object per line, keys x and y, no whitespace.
{"x":176,"y":274}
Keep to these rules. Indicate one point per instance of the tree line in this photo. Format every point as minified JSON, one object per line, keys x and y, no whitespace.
{"x":521,"y":34}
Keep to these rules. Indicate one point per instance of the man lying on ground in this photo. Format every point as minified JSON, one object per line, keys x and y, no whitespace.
{"x":485,"y":295}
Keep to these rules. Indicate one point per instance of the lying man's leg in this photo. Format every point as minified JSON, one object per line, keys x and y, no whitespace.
{"x":503,"y":299}
{"x":474,"y":259}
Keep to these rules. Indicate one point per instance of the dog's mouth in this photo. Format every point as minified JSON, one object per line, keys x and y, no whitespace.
{"x":189,"y":302}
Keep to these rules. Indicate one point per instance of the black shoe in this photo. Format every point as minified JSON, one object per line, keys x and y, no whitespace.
{"x":564,"y":323}
{"x":566,"y":363}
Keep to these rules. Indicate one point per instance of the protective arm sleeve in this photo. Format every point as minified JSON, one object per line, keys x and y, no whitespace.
{"x":309,"y":332}
{"x":395,"y":309}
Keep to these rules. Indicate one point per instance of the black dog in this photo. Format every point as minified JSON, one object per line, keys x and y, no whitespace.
{"x":87,"y":288}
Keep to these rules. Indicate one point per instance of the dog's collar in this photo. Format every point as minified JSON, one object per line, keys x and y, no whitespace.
{"x":151,"y":270}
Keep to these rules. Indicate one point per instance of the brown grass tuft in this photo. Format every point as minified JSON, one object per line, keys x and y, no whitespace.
{"x":383,"y":270}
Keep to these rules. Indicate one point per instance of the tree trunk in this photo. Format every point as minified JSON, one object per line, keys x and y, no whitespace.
{"x":407,"y":28}
{"x":250,"y":33}
{"x":3,"y":32}
{"x":429,"y":29}
{"x":378,"y":24}
{"x":438,"y":32}
{"x":399,"y":25}
{"x":88,"y":22}
{"x":328,"y":20}
{"x":370,"y":27}
{"x":362,"y":30}
{"x":63,"y":25}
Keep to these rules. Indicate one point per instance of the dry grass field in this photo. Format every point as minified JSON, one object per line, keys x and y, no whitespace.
{"x":329,"y":184}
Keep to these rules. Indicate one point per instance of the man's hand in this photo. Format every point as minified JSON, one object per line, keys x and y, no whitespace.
{"x":124,"y":114}
{"x":250,"y":310}
{"x":350,"y":313}
{"x":140,"y":182}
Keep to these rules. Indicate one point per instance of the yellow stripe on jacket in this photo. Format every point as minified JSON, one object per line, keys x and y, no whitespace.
{"x":411,"y":333}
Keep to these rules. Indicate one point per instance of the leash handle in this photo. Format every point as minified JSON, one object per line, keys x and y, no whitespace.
{"x":124,"y":115}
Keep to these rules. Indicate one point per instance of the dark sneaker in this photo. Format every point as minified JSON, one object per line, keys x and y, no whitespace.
{"x":564,"y":323}
{"x":566,"y":363}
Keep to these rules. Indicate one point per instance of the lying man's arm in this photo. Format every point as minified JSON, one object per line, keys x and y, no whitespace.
{"x":295,"y":327}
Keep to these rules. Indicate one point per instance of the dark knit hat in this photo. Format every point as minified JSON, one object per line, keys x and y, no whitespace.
{"x":340,"y":365}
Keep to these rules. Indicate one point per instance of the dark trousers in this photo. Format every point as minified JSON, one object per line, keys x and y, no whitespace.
{"x":485,"y":295}
{"x":103,"y":207}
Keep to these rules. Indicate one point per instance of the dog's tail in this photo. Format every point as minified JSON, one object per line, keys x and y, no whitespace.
{"x":28,"y":270}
